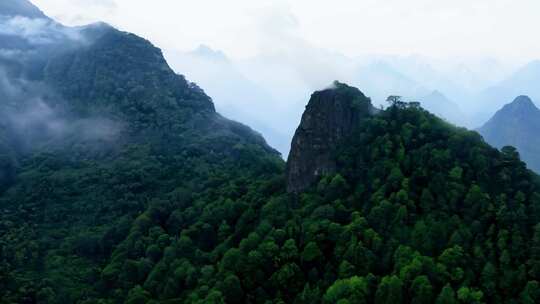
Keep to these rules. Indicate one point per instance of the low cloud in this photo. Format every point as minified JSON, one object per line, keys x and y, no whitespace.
{"x":38,"y":31}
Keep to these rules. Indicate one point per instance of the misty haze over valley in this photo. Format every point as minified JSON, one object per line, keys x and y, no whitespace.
{"x":466,"y":92}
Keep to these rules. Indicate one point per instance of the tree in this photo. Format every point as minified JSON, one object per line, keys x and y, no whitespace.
{"x":233,"y":260}
{"x":534,"y":260}
{"x":489,"y":279}
{"x":510,"y":154}
{"x":311,"y":252}
{"x":389,"y":291}
{"x":137,"y":295}
{"x":427,"y":201}
{"x":337,"y":187}
{"x":469,"y":295}
{"x":447,"y":296}
{"x":531,"y":293}
{"x":393,"y":100}
{"x":231,"y":288}
{"x":289,"y":251}
{"x":421,"y":290}
{"x":353,"y":290}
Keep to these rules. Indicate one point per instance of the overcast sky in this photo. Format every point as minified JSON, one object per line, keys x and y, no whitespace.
{"x":242,"y":28}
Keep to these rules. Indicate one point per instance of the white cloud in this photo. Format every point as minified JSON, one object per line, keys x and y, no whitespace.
{"x":436,"y":28}
{"x":37,"y":31}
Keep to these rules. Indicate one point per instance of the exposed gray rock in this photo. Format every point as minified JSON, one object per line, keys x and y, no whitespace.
{"x":330,"y":116}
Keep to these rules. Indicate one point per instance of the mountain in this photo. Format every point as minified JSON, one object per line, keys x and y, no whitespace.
{"x":521,"y":82}
{"x":516,"y":124}
{"x":440,"y":105}
{"x":427,"y":74}
{"x":122,"y":184}
{"x":412,"y":210}
{"x":94,"y":133}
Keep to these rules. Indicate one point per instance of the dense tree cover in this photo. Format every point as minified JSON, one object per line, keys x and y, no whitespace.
{"x":418,"y":212}
{"x":67,"y":200}
{"x":62,"y":220}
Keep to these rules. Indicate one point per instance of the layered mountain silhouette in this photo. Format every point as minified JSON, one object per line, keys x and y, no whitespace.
{"x":234,"y":95}
{"x":521,"y":82}
{"x":516,"y":124}
{"x":437,"y":103}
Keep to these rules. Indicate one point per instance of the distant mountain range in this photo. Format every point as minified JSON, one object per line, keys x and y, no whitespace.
{"x":437,"y":103}
{"x":524,"y":81}
{"x":516,"y":124}
{"x":266,"y":90}
{"x":380,"y":80}
{"x":234,"y":94}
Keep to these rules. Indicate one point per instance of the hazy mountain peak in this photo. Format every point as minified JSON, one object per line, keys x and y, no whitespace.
{"x":438,"y":94}
{"x":516,"y":124}
{"x":21,"y":8}
{"x":209,"y":53}
{"x":522,"y":103}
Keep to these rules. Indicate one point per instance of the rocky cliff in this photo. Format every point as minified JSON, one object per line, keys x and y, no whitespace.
{"x":331,"y":115}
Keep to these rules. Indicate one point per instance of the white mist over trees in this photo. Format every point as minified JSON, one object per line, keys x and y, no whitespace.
{"x":33,"y":114}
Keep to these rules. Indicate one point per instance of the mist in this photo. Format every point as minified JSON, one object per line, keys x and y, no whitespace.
{"x":32,"y":114}
{"x":261,"y":61}
{"x":269,"y":91}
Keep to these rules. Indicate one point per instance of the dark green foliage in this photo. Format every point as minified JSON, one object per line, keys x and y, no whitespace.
{"x":82,"y":220}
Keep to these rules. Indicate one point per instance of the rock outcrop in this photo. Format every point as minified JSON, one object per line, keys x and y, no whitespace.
{"x":330,"y":116}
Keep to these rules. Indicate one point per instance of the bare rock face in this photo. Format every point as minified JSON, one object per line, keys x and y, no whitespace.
{"x":330,"y":116}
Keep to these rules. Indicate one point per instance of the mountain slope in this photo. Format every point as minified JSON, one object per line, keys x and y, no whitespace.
{"x":137,"y":191}
{"x":94,"y":134}
{"x":516,"y":124}
{"x":412,"y":212}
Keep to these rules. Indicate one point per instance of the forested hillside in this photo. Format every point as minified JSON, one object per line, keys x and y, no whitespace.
{"x":119,"y":183}
{"x":103,"y":132}
{"x":417,"y":211}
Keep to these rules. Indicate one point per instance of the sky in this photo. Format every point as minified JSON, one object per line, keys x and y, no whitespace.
{"x":244,"y":28}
